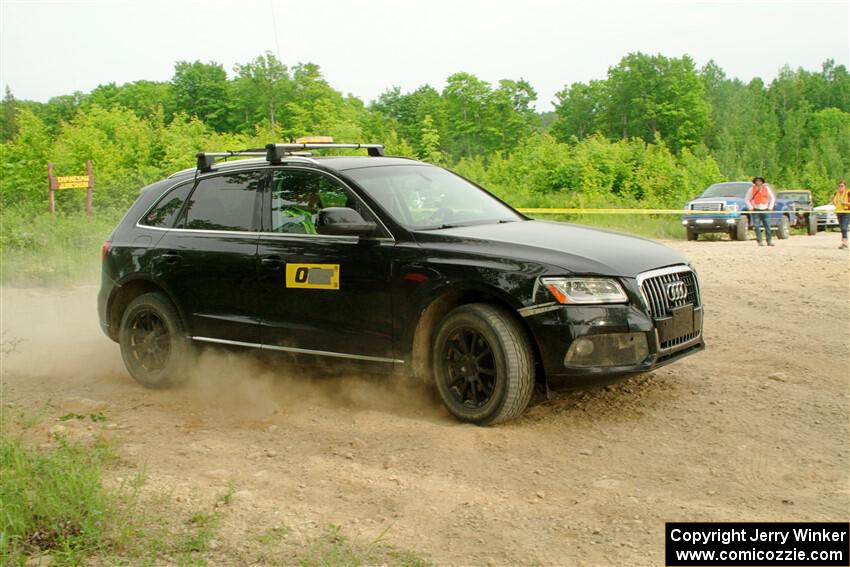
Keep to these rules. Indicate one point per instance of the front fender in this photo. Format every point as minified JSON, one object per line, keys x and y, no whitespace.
{"x":419,"y":285}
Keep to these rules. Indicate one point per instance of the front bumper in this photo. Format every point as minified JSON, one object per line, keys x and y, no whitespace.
{"x":827,"y":219}
{"x":557,"y":329}
{"x":710,"y":224}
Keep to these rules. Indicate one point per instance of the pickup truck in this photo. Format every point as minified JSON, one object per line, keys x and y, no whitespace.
{"x":802,"y":203}
{"x":722,"y":208}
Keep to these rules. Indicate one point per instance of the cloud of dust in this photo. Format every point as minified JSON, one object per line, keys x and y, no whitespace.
{"x":246,"y":385}
{"x":63,"y":348}
{"x":59,"y":335}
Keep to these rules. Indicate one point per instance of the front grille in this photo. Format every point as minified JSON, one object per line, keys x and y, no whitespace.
{"x":661,"y":306}
{"x":708,"y":206}
{"x":673,"y":343}
{"x":654,"y":291}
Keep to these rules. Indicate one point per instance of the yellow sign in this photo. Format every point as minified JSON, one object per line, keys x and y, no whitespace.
{"x":312,"y":276}
{"x":73,"y":181}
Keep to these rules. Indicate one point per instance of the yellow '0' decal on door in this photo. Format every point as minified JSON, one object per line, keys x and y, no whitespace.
{"x":312,"y":276}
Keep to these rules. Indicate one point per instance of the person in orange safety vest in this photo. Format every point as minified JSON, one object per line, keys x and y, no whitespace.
{"x":841,"y":200}
{"x":760,"y":197}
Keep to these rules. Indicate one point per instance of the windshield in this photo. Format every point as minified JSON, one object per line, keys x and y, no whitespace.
{"x":738,"y":190}
{"x":796,"y":197}
{"x":423,"y":197}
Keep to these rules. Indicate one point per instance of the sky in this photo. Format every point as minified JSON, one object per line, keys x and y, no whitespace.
{"x":50,"y":47}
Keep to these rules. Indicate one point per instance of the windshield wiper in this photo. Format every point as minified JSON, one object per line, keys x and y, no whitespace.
{"x":448,"y":225}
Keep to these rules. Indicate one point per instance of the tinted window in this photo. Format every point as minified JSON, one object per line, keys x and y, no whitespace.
{"x":225,"y":202}
{"x":165,"y":212}
{"x":297,"y":196}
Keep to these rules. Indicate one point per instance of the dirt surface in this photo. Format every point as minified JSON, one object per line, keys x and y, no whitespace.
{"x":753,"y":429}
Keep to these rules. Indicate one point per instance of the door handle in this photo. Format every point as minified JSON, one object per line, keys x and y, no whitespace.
{"x":171,"y":258}
{"x":271,"y":261}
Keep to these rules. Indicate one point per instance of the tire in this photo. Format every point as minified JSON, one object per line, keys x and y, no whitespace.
{"x":153,"y":342}
{"x":783,"y":231}
{"x":811,"y":224}
{"x":483,"y":364}
{"x":692,"y":234}
{"x":741,"y":229}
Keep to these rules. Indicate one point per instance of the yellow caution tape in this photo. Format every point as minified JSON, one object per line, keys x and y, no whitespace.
{"x":544,"y":211}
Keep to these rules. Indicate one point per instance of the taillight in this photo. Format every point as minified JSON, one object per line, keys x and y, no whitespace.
{"x":104,"y":250}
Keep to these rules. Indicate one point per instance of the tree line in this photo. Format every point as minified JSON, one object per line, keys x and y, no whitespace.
{"x":654,"y":132}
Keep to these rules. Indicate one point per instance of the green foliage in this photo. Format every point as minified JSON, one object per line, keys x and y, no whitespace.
{"x":594,"y":172}
{"x":431,"y":142}
{"x":9,"y":126}
{"x":201,"y":89}
{"x":23,"y":165}
{"x":45,"y":250}
{"x":654,"y":133}
{"x":644,"y":96}
{"x":53,"y":502}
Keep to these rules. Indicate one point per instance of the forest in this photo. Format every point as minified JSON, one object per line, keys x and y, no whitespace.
{"x":654,"y":133}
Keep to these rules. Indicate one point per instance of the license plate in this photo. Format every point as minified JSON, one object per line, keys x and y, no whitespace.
{"x":679,"y":324}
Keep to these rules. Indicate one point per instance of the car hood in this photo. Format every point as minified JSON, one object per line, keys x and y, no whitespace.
{"x":572,"y":248}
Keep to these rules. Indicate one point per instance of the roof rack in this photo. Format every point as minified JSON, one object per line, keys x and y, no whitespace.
{"x":274,"y":153}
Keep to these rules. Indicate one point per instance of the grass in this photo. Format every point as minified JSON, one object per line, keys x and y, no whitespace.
{"x":53,"y":502}
{"x":665,"y":227}
{"x":55,"y":506}
{"x":45,"y":250}
{"x":333,"y":549}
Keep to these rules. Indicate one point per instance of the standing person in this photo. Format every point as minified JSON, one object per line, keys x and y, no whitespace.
{"x":841,"y":199}
{"x":761,"y":198}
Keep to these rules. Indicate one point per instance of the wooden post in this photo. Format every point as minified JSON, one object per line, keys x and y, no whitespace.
{"x":51,"y":188}
{"x":89,"y":189}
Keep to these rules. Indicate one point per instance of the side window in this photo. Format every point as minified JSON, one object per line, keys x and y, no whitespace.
{"x":225,"y":202}
{"x":297,"y":196}
{"x":165,"y":212}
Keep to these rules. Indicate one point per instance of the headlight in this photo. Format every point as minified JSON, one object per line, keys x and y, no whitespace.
{"x":732,"y":207}
{"x":585,"y":290}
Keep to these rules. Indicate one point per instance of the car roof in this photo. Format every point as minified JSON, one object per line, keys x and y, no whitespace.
{"x":336,"y":163}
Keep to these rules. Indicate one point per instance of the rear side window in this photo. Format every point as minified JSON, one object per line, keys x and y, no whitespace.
{"x":225,"y":202}
{"x":165,"y":212}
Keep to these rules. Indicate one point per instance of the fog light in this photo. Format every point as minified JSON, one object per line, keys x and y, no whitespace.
{"x":583,"y":347}
{"x":614,"y":349}
{"x":731,"y":221}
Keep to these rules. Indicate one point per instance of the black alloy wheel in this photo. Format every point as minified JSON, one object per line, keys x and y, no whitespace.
{"x":471,"y":369}
{"x":483,"y":364}
{"x":153,"y":343}
{"x":149,"y":341}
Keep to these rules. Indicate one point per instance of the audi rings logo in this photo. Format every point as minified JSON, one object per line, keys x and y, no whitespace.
{"x":676,"y":291}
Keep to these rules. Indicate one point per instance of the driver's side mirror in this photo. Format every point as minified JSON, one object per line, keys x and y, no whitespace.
{"x":342,"y":221}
